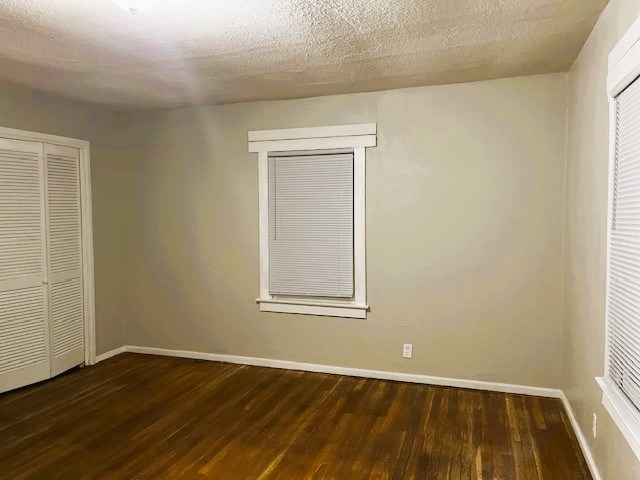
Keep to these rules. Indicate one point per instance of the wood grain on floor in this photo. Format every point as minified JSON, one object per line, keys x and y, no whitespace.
{"x":140,"y":416}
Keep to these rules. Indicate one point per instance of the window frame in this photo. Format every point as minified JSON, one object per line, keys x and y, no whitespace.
{"x":356,"y":137}
{"x":623,"y":70}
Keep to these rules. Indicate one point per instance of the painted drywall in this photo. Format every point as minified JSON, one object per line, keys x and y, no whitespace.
{"x":195,"y":52}
{"x":465,"y":218}
{"x":585,"y":255}
{"x":26,"y":109}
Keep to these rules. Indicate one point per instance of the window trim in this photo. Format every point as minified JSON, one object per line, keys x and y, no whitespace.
{"x":624,"y":414}
{"x":624,"y":69}
{"x":357,"y":137}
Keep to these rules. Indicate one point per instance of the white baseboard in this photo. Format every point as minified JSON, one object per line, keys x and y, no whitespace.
{"x":586,"y":451}
{"x":109,"y":354}
{"x":352,"y":372}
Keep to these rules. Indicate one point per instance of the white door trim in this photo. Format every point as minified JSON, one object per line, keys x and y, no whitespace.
{"x":87,"y":227}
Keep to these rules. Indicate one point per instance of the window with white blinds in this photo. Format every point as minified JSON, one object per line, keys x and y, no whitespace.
{"x":311,"y":230}
{"x":312,"y":227}
{"x":623,"y":309}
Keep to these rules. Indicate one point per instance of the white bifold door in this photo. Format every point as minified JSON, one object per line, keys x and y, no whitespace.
{"x":62,"y":192}
{"x":41,"y":297}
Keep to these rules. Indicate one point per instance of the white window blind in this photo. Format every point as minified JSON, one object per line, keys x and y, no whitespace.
{"x":311,"y":225}
{"x":624,"y":249}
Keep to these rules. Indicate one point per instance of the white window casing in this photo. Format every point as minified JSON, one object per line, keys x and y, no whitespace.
{"x":312,"y":219}
{"x":621,"y":380}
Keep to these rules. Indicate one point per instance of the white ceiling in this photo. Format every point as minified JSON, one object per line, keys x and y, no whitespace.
{"x":183,"y":52}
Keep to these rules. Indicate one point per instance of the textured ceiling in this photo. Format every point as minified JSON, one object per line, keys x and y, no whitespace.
{"x":183,"y":52}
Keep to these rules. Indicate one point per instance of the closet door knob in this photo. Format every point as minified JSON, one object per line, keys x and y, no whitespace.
{"x":45,"y":280}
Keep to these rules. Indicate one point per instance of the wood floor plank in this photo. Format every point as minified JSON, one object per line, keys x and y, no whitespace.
{"x":146,"y":417}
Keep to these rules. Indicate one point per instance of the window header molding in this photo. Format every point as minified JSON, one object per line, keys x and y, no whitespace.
{"x":624,"y":61}
{"x":353,"y":137}
{"x":313,"y":138}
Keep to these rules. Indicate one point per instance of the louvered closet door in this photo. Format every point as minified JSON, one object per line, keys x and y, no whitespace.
{"x":66,"y":312}
{"x":24,"y":336}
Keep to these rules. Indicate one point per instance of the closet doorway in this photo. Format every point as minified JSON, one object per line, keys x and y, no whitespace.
{"x":47,"y":312}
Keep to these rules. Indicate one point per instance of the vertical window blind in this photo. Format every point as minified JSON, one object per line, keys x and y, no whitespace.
{"x":624,"y":248}
{"x":311,"y":225}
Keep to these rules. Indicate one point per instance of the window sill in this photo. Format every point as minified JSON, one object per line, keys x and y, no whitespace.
{"x":622,"y":411}
{"x":327,"y":309}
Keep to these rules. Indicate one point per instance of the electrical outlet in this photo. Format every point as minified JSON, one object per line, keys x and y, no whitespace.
{"x":407,"y":350}
{"x":594,"y":425}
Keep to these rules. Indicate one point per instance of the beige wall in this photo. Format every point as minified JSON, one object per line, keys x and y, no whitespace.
{"x":465,"y":218}
{"x":586,"y":225}
{"x":23,"y":108}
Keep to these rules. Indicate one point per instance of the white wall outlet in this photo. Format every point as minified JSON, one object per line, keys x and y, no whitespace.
{"x":407,"y":350}
{"x":594,"y":425}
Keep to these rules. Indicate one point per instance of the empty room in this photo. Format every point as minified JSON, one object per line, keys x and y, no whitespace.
{"x":320,"y":239}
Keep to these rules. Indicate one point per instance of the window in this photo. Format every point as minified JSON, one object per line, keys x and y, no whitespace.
{"x":311,"y":225}
{"x":621,"y":381}
{"x":312,"y":219}
{"x":624,"y":249}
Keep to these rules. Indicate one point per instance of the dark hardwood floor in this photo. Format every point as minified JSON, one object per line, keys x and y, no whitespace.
{"x":136,"y":416}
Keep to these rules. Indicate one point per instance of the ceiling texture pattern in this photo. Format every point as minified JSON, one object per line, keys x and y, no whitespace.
{"x":185,"y":52}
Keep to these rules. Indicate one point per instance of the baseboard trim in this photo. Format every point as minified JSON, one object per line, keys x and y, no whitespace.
{"x":352,"y":372}
{"x":109,"y":354}
{"x":584,"y":446}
